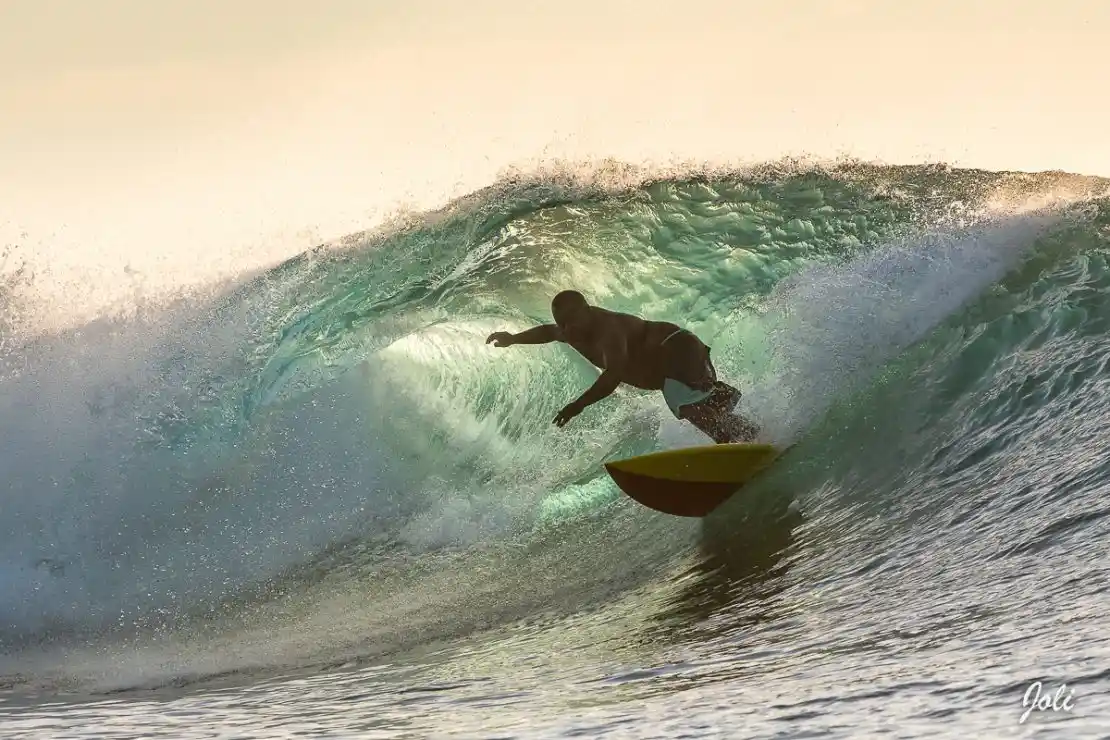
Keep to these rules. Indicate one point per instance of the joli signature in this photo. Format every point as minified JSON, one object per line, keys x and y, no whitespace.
{"x":1063,"y":699}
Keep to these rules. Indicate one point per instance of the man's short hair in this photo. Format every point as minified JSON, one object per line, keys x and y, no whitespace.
{"x":566,"y":301}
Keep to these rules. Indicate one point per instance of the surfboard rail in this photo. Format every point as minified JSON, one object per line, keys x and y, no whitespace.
{"x":690,"y":481}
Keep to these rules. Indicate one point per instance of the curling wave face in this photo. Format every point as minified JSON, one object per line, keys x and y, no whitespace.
{"x":333,"y":437}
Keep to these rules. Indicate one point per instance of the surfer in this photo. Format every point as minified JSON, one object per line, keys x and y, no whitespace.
{"x":652,"y":355}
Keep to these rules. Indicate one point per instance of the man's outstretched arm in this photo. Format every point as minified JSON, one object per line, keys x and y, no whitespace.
{"x":603,"y":387}
{"x":616,"y":358}
{"x":542,"y":334}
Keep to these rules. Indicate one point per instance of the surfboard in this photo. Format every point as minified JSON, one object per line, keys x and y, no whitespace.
{"x":690,"y":481}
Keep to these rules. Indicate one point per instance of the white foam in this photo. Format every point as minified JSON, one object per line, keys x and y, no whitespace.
{"x":830,"y":327}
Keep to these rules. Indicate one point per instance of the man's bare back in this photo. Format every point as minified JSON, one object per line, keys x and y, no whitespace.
{"x":652,"y":355}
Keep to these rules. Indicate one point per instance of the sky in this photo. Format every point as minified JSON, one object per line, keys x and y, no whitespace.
{"x":185,"y":140}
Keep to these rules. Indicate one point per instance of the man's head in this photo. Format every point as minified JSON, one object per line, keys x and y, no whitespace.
{"x":571,"y":312}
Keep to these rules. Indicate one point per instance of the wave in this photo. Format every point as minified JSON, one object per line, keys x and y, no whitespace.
{"x":333,"y":437}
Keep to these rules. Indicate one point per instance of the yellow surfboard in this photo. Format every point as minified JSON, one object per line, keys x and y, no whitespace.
{"x":691,"y":481}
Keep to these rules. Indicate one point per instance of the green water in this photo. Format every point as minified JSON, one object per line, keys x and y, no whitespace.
{"x":329,"y":465}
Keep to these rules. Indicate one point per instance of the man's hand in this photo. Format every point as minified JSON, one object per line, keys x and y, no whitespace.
{"x":571,"y":410}
{"x":500,"y":339}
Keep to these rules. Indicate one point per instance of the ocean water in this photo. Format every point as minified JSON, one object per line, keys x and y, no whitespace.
{"x":312,"y":502}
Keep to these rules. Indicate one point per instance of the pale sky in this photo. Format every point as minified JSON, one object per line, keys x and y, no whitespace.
{"x":190,"y":138}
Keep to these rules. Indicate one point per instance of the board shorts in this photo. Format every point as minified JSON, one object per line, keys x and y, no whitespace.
{"x":677,"y":394}
{"x":721,"y":397}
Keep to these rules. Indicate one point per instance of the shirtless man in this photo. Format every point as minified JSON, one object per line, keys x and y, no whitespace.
{"x":653,"y":355}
